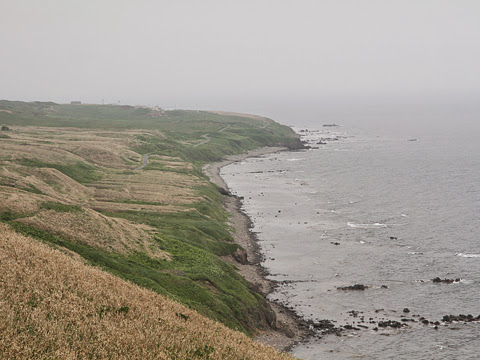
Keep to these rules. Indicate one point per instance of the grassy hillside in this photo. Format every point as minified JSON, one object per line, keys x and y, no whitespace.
{"x":67,"y":178}
{"x":181,"y":130}
{"x":55,"y":307}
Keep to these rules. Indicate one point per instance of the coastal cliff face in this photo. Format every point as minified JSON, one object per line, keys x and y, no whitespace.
{"x":118,"y":188}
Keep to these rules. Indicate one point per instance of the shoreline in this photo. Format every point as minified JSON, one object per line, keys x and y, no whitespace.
{"x":290,"y":328}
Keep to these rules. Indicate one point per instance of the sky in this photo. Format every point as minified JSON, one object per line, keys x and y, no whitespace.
{"x":233,"y":54}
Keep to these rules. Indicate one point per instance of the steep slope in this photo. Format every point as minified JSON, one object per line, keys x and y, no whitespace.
{"x":54,"y":306}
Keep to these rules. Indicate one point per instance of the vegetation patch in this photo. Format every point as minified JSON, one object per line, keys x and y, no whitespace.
{"x":80,"y":172}
{"x":59,"y":207}
{"x":31,"y":188}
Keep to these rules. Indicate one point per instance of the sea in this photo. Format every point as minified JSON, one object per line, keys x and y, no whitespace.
{"x":389,"y":199}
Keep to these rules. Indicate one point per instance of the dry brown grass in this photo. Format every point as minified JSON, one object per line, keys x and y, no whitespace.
{"x":18,"y":202}
{"x":96,"y":230}
{"x":69,"y":146}
{"x":115,"y":157}
{"x":170,"y":162}
{"x":55,"y":307}
{"x":16,"y":149}
{"x":120,"y":189}
{"x":161,"y":187}
{"x":58,"y":186}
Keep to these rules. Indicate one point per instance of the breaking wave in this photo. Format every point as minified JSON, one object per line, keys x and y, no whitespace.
{"x":468,"y":255}
{"x":366,"y":226}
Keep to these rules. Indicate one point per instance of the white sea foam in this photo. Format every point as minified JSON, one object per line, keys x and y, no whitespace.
{"x":293,"y":159}
{"x":366,"y":226}
{"x":468,"y":255}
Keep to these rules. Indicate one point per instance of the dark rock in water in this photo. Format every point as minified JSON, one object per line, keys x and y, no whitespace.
{"x":350,"y":327}
{"x":353,"y":287}
{"x":390,"y":323}
{"x":425,"y":322}
{"x":406,"y":310}
{"x":324,"y":327}
{"x":445,"y":281}
{"x":460,"y":318}
{"x":353,"y":313}
{"x":223,"y":191}
{"x":384,"y":287}
{"x":393,"y":238}
{"x":334,"y":243}
{"x":323,"y":324}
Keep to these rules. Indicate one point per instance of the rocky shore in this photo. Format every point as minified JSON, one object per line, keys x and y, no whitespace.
{"x":288,"y":328}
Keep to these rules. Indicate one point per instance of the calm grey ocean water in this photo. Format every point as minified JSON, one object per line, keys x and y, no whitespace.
{"x":394,"y":202}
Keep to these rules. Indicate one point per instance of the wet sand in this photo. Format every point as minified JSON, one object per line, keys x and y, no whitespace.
{"x":290,"y":328}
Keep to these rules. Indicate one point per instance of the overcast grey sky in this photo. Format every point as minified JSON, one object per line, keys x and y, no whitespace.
{"x":208,"y":53}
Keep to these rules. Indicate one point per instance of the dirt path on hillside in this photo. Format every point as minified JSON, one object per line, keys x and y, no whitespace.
{"x":145,"y":163}
{"x":207,"y":137}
